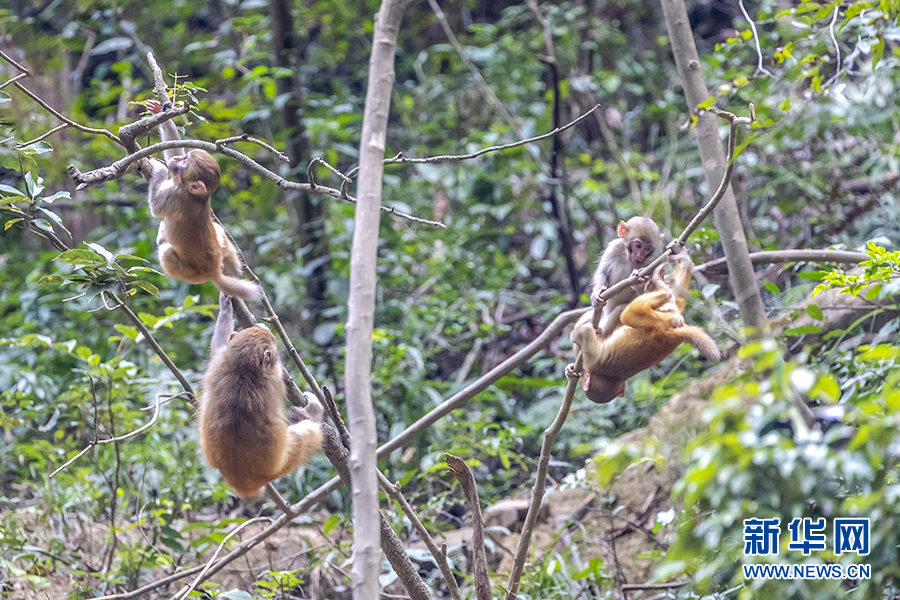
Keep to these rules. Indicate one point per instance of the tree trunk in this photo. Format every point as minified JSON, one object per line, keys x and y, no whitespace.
{"x":287,"y":52}
{"x":726,"y":217}
{"x":361,"y":304}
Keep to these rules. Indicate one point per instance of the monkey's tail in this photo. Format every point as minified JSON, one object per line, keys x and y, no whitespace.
{"x":241,"y":288}
{"x":700,"y":340}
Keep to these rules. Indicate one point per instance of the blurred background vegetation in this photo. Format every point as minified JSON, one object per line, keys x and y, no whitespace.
{"x":818,"y":170}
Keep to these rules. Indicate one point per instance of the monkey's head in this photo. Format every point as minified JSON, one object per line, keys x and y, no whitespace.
{"x":641,"y":237}
{"x":197,"y":172}
{"x":602,"y":390}
{"x":253,"y":350}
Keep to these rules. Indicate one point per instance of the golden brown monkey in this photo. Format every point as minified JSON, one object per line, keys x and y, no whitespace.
{"x":638,"y":241}
{"x":652,"y":327}
{"x":191,"y":246}
{"x":244,"y":429}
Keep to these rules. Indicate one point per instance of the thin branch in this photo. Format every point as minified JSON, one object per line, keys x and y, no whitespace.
{"x":837,"y":47}
{"x":480,"y":573}
{"x":13,"y":80}
{"x":393,"y":490}
{"x":119,"y":167}
{"x":95,"y":442}
{"x":8,"y":59}
{"x":119,"y":303}
{"x":400,"y":159}
{"x":185,"y":592}
{"x":246,"y":138}
{"x":65,"y":119}
{"x":759,"y":55}
{"x":44,"y":136}
{"x":540,"y":482}
{"x":767,"y":257}
{"x":479,"y":80}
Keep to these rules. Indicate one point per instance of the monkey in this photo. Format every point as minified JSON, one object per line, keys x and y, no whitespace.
{"x":191,"y":246}
{"x":634,"y":248}
{"x":244,"y":430}
{"x":652,"y":327}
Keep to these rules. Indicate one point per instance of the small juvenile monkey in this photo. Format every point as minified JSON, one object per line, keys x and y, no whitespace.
{"x":652,"y":327}
{"x":634,"y":248}
{"x":244,"y":429}
{"x":191,"y":246}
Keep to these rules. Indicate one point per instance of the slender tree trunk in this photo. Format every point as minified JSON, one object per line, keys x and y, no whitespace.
{"x":726,"y":216}
{"x":361,"y":305}
{"x":288,"y":51}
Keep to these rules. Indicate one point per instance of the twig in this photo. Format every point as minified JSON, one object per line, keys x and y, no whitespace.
{"x":96,"y":442}
{"x":537,"y":493}
{"x":43,"y":136}
{"x":440,"y":557}
{"x":246,"y":138}
{"x":185,"y":592}
{"x":119,"y":303}
{"x":400,"y":159}
{"x":8,"y":59}
{"x":13,"y":80}
{"x":479,"y":80}
{"x":159,"y":83}
{"x":759,"y":55}
{"x":766,"y":257}
{"x":480,"y":573}
{"x":119,"y":167}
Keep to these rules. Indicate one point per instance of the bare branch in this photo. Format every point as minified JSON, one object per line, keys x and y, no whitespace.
{"x":480,"y":573}
{"x":767,"y":257}
{"x":116,"y":439}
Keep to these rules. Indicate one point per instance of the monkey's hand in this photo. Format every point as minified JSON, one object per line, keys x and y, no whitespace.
{"x":154,"y":107}
{"x":571,"y":373}
{"x":641,"y":279}
{"x":596,"y":300}
{"x":225,"y":309}
{"x":312,"y":412}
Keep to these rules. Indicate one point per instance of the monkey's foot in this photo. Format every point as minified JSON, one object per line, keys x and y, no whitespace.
{"x":571,"y":373}
{"x":640,"y":278}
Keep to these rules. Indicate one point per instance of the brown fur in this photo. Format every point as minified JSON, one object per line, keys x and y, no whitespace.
{"x":244,"y":430}
{"x":652,"y":327}
{"x":191,"y":246}
{"x":638,"y":241}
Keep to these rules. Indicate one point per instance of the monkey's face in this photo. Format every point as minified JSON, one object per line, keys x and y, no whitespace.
{"x":196,"y":167}
{"x":640,"y":249}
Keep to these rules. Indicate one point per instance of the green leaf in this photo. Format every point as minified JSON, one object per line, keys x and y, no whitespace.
{"x":146,"y":286}
{"x":10,"y":223}
{"x":877,"y":53}
{"x":79,"y":256}
{"x":814,"y":275}
{"x":772,"y":287}
{"x":102,"y":251}
{"x":804,"y":330}
{"x":330,"y":523}
{"x":129,"y":332}
{"x":11,"y":190}
{"x":814,"y":311}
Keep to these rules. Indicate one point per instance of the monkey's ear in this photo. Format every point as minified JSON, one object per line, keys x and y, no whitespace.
{"x":233,"y":333}
{"x":586,"y":382}
{"x":197,"y":188}
{"x":267,"y":357}
{"x":622,"y":229}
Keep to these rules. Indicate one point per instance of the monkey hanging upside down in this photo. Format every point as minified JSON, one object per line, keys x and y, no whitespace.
{"x":652,"y":327}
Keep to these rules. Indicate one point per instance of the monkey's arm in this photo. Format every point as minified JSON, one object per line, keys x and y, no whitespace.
{"x":224,"y":326}
{"x":167,"y":131}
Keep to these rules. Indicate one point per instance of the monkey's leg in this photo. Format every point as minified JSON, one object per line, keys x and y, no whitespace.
{"x":231,"y":264}
{"x":640,"y":313}
{"x":175,"y":267}
{"x":304,"y":438}
{"x":611,"y":319}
